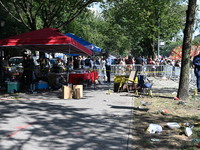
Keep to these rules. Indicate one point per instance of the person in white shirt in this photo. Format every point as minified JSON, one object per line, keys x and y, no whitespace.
{"x":103,"y":68}
{"x":122,"y":66}
{"x":91,"y":63}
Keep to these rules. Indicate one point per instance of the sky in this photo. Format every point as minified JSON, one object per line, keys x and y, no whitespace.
{"x":96,"y":6}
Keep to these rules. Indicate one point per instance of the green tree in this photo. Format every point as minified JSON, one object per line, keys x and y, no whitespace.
{"x":36,"y":14}
{"x":88,"y":26}
{"x":147,"y":21}
{"x":96,"y":29}
{"x":196,"y":41}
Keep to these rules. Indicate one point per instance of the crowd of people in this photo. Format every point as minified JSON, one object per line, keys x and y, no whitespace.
{"x":35,"y":69}
{"x":124,"y":65}
{"x":145,"y":61}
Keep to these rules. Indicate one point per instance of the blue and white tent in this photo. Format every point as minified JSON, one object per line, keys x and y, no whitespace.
{"x":85,"y":43}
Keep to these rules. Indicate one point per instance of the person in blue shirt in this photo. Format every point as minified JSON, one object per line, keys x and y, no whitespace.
{"x":196,"y":63}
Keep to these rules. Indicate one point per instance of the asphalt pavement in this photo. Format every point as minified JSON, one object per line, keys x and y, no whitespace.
{"x":45,"y":121}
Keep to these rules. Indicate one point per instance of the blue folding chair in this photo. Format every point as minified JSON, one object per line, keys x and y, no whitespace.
{"x":144,"y":84}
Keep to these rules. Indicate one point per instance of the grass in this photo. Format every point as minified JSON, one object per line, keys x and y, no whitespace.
{"x":180,"y":112}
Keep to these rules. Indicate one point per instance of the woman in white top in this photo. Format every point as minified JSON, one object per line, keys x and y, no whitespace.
{"x":122,"y":66}
{"x":103,"y":68}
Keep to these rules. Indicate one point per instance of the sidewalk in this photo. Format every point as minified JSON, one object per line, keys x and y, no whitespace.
{"x":44,"y":121}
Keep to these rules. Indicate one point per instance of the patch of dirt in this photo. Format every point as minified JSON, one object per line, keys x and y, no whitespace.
{"x":174,"y":111}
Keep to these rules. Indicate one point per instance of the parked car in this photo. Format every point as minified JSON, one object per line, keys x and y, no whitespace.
{"x":13,"y":61}
{"x":15,"y":64}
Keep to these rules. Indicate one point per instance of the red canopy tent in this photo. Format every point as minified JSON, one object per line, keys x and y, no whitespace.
{"x":46,"y":40}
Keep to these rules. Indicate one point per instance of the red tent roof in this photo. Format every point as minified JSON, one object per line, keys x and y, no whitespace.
{"x":47,"y":40}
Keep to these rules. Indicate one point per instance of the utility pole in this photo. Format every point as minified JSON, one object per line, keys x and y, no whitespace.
{"x":158,"y":47}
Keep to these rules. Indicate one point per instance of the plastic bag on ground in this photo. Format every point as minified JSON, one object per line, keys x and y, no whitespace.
{"x":154,"y":128}
{"x":188,"y":131}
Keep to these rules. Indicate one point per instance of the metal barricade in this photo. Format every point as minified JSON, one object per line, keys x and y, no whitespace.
{"x":168,"y":71}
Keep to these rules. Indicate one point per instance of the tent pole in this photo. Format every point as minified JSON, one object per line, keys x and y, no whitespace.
{"x":1,"y":68}
{"x":68,"y":67}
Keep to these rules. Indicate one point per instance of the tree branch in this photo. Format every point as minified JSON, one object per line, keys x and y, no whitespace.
{"x":6,"y":9}
{"x":21,"y":18}
{"x":24,"y":7}
{"x":72,"y":16}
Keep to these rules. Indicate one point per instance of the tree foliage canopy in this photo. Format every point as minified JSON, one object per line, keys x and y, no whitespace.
{"x":124,"y":27}
{"x":146,"y":21}
{"x":36,"y":14}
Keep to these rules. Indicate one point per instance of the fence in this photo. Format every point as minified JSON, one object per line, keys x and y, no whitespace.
{"x":150,"y":70}
{"x":168,"y":71}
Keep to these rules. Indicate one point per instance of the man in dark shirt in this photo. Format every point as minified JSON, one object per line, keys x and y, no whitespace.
{"x":76,"y":63}
{"x":139,"y":63}
{"x":87,"y":62}
{"x":196,"y":63}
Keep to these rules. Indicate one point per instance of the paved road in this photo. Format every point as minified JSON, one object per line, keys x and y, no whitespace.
{"x":44,"y":121}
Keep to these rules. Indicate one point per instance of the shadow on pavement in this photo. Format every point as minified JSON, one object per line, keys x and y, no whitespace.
{"x":56,"y":126}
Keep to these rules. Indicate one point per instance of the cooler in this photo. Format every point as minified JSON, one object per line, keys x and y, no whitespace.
{"x":12,"y":87}
{"x":41,"y":85}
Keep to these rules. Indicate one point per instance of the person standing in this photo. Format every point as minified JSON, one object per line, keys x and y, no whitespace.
{"x":82,"y":62}
{"x":103,"y":68}
{"x":29,"y":77}
{"x":76,"y":63}
{"x":139,"y":63}
{"x":47,"y":66}
{"x":122,"y":66}
{"x":196,"y":63}
{"x":60,"y":66}
{"x":129,"y":63}
{"x":88,"y":62}
{"x":108,"y":67}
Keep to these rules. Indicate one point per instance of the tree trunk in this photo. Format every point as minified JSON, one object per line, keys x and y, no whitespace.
{"x":183,"y":91}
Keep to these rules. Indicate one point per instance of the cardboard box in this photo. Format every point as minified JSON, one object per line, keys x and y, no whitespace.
{"x":78,"y":91}
{"x":77,"y":94}
{"x":66,"y":92}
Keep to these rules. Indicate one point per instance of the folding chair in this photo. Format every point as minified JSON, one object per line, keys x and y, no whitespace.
{"x":145,"y":84}
{"x":130,"y":82}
